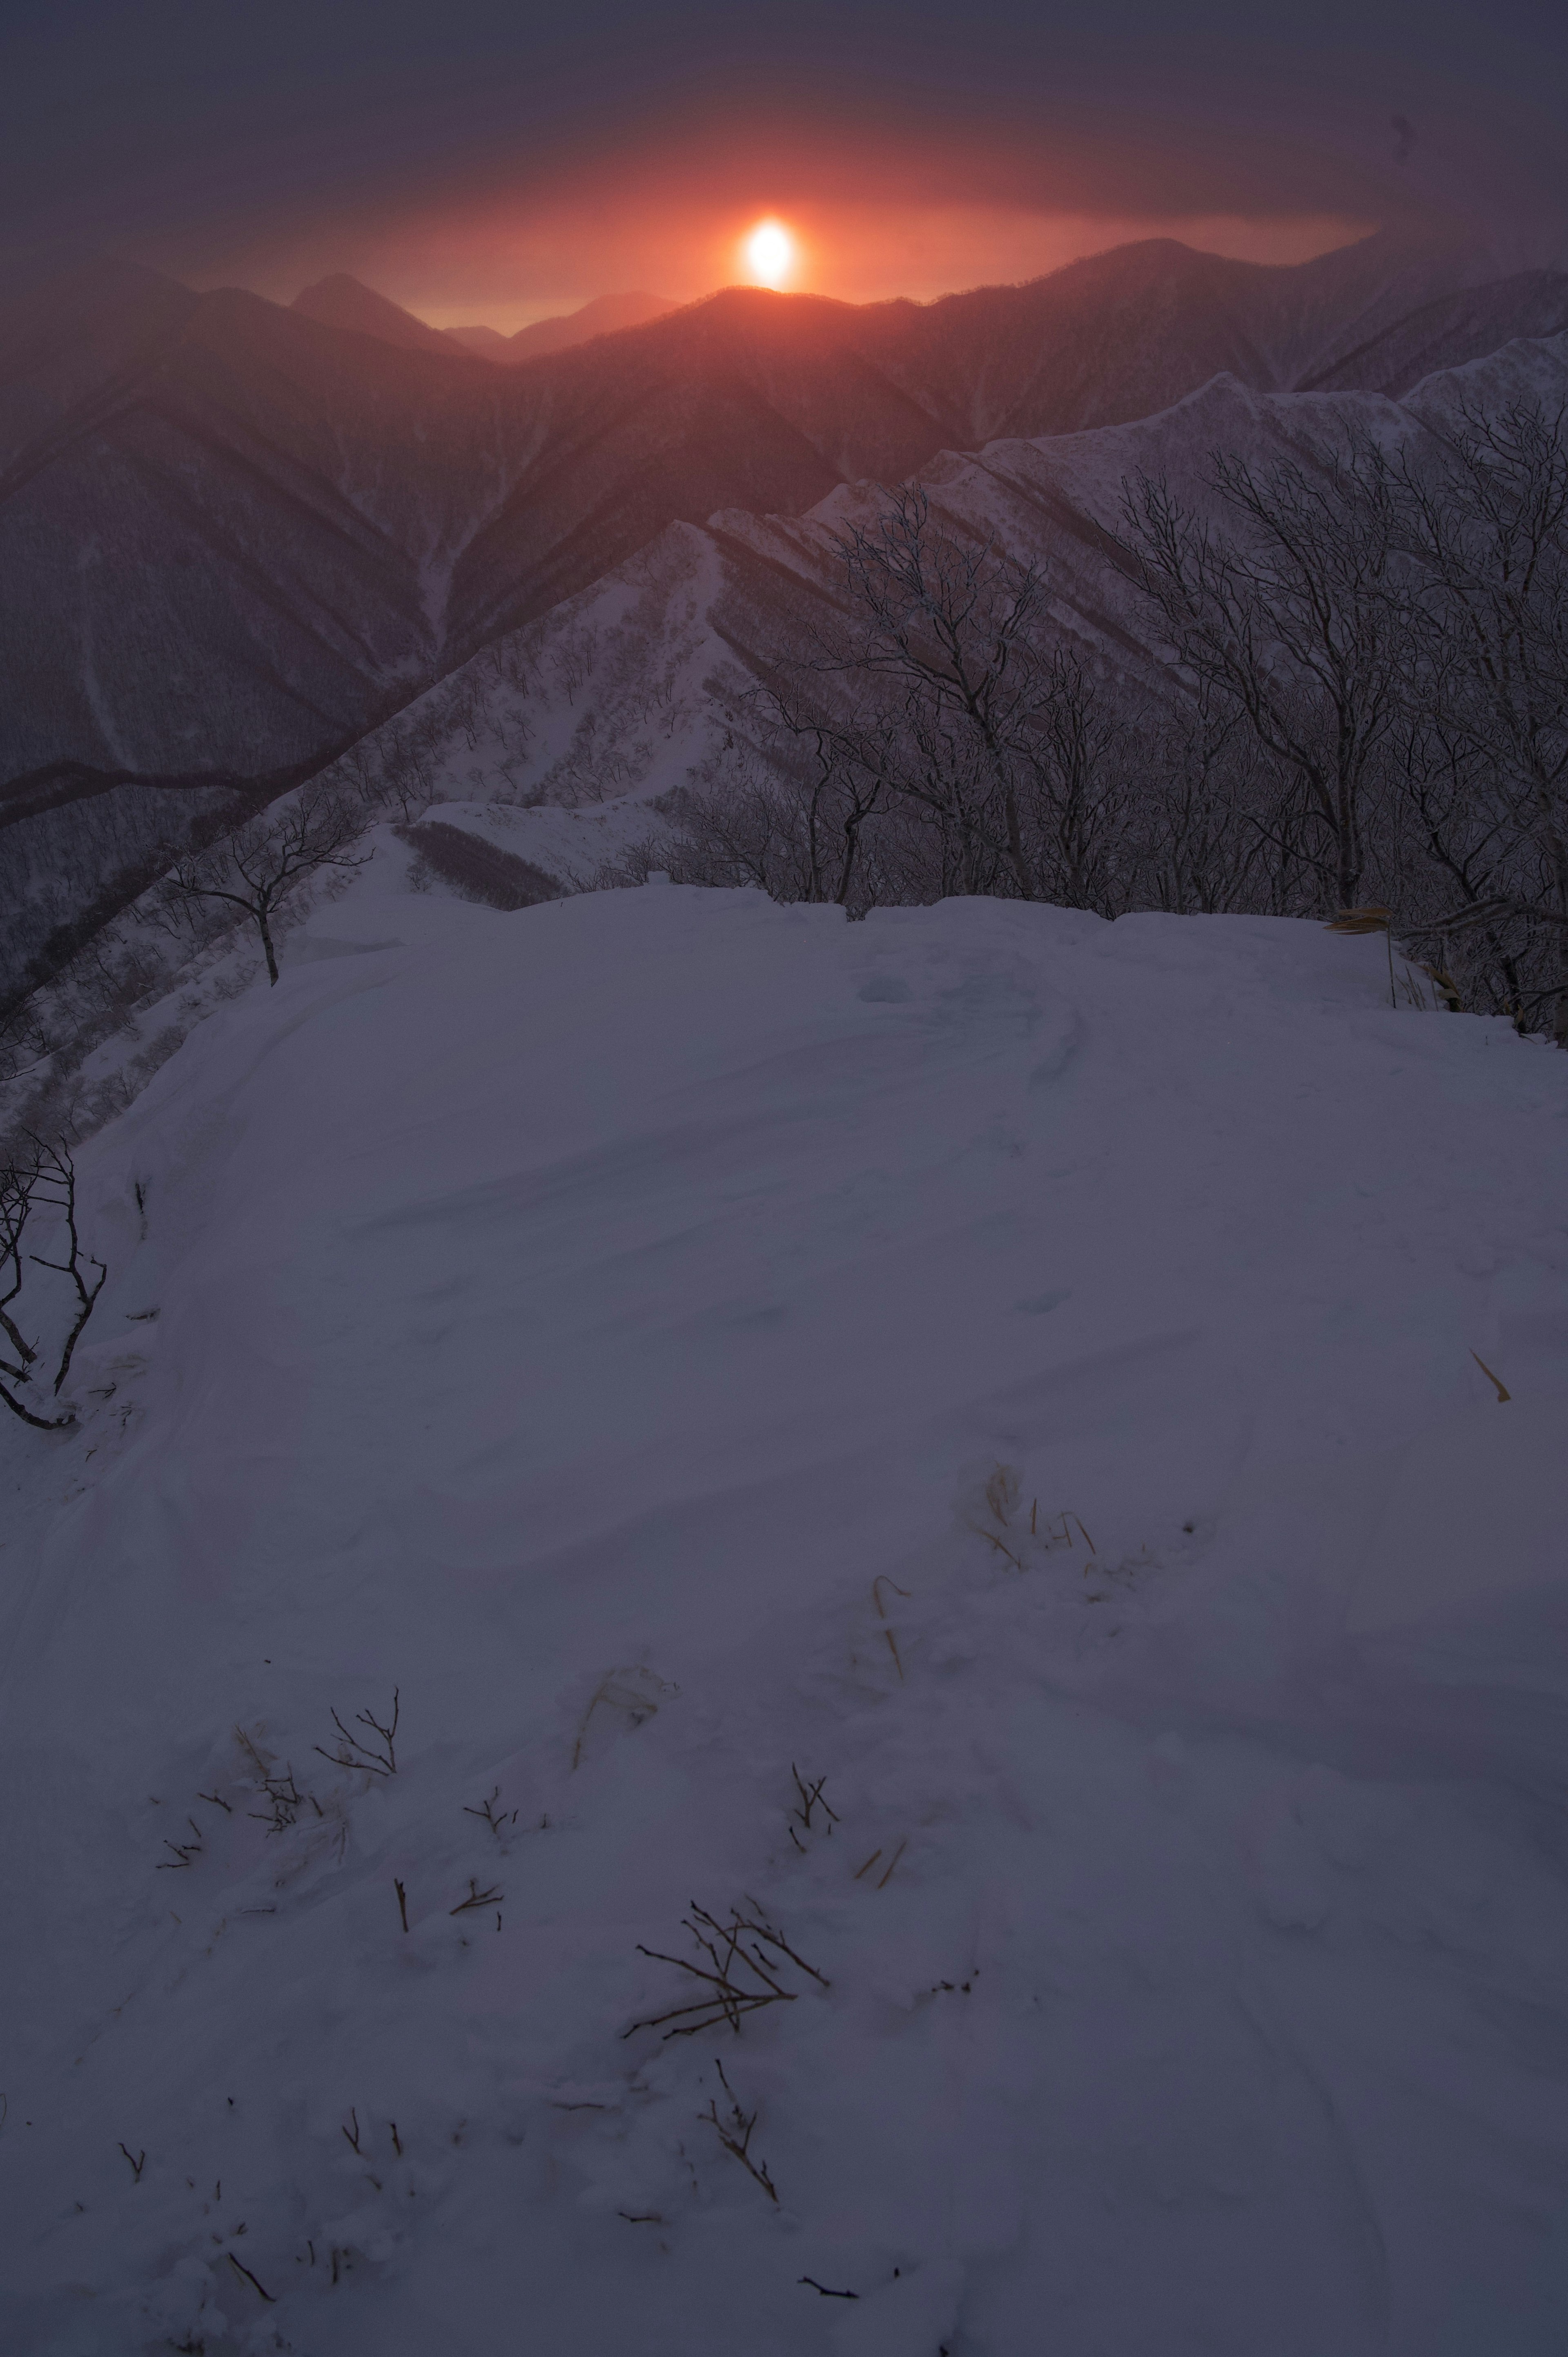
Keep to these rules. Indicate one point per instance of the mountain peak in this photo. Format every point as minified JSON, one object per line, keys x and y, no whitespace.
{"x":343,"y":301}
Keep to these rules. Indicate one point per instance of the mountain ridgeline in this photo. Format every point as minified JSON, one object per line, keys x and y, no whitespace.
{"x":235,"y":536}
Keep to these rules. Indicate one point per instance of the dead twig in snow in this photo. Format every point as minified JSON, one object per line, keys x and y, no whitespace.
{"x":476,"y":1898}
{"x":352,"y":1752}
{"x":138,"y":2161}
{"x":183,"y":1851}
{"x":240,"y":2269}
{"x":1502,"y":1393}
{"x":282,"y":1794}
{"x":826,"y":2289}
{"x":739,"y":1977}
{"x":811,"y":1798}
{"x":497,"y":1824}
{"x":734,"y":2134}
{"x":878,"y":1585}
{"x":402,"y":1901}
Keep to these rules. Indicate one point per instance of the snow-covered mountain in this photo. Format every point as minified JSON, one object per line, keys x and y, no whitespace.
{"x":640,"y":683}
{"x":233,"y":538}
{"x":958,"y":1442}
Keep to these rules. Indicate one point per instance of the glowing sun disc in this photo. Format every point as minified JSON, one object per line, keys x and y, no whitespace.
{"x":769,"y":254}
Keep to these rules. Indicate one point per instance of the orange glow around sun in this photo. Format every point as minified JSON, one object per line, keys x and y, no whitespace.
{"x":769,"y":255}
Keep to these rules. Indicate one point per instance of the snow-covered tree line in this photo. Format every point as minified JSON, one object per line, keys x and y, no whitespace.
{"x":1361,"y":700}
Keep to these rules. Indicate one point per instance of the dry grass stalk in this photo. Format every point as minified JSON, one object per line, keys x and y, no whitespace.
{"x":881,"y":1581}
{"x":616,"y":1691}
{"x":811,"y":1799}
{"x":240,"y":2269}
{"x":477,"y":1898}
{"x":892,"y":1862}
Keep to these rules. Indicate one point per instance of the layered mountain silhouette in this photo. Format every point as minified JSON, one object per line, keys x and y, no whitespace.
{"x":234,"y":536}
{"x":606,"y":316}
{"x":342,"y":301}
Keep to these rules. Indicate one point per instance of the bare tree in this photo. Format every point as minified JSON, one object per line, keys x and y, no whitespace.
{"x":1365,"y":691}
{"x":1298,"y":616}
{"x":43,"y":1182}
{"x":1487,"y":525}
{"x":260,"y":865}
{"x":841,"y":781}
{"x":951,"y":628}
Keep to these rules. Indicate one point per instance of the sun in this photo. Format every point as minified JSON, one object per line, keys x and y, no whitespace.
{"x":769,"y":251}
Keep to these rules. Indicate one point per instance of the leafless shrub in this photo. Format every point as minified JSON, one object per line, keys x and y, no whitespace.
{"x":44,"y":1182}
{"x":478,"y":1898}
{"x":486,"y":1812}
{"x":183,"y":1851}
{"x":809,"y":1799}
{"x":353,"y":1751}
{"x":282,"y":1794}
{"x":748,"y":1959}
{"x":733,"y":2128}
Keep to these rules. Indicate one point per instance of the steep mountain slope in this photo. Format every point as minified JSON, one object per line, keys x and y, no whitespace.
{"x":651,"y":1348}
{"x":232,"y":538}
{"x":1445,"y":333}
{"x":641,"y":683}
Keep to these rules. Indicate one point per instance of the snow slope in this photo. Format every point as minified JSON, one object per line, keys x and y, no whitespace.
{"x":1016,"y":1368}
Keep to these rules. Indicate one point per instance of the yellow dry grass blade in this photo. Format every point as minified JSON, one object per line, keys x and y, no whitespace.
{"x":1370,"y":920}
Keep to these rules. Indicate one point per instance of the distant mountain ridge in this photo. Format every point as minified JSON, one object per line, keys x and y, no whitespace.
{"x":345,"y":302}
{"x":233,"y":536}
{"x":606,"y":316}
{"x":342,"y":301}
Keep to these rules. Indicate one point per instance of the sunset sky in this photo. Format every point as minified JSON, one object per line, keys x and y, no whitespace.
{"x":490,"y":161}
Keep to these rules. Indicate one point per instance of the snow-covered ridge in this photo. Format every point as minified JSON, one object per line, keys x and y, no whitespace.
{"x":1020,"y":1370}
{"x":640,"y":683}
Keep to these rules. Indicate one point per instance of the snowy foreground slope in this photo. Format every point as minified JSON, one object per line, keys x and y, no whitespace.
{"x":1014,"y":1367}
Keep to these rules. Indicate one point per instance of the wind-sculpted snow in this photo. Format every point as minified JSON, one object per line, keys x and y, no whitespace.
{"x":582,"y":1396}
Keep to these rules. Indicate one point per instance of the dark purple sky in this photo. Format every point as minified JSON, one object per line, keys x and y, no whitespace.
{"x":484,"y":158}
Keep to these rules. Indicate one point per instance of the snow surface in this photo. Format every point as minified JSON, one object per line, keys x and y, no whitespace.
{"x":1016,"y":1368}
